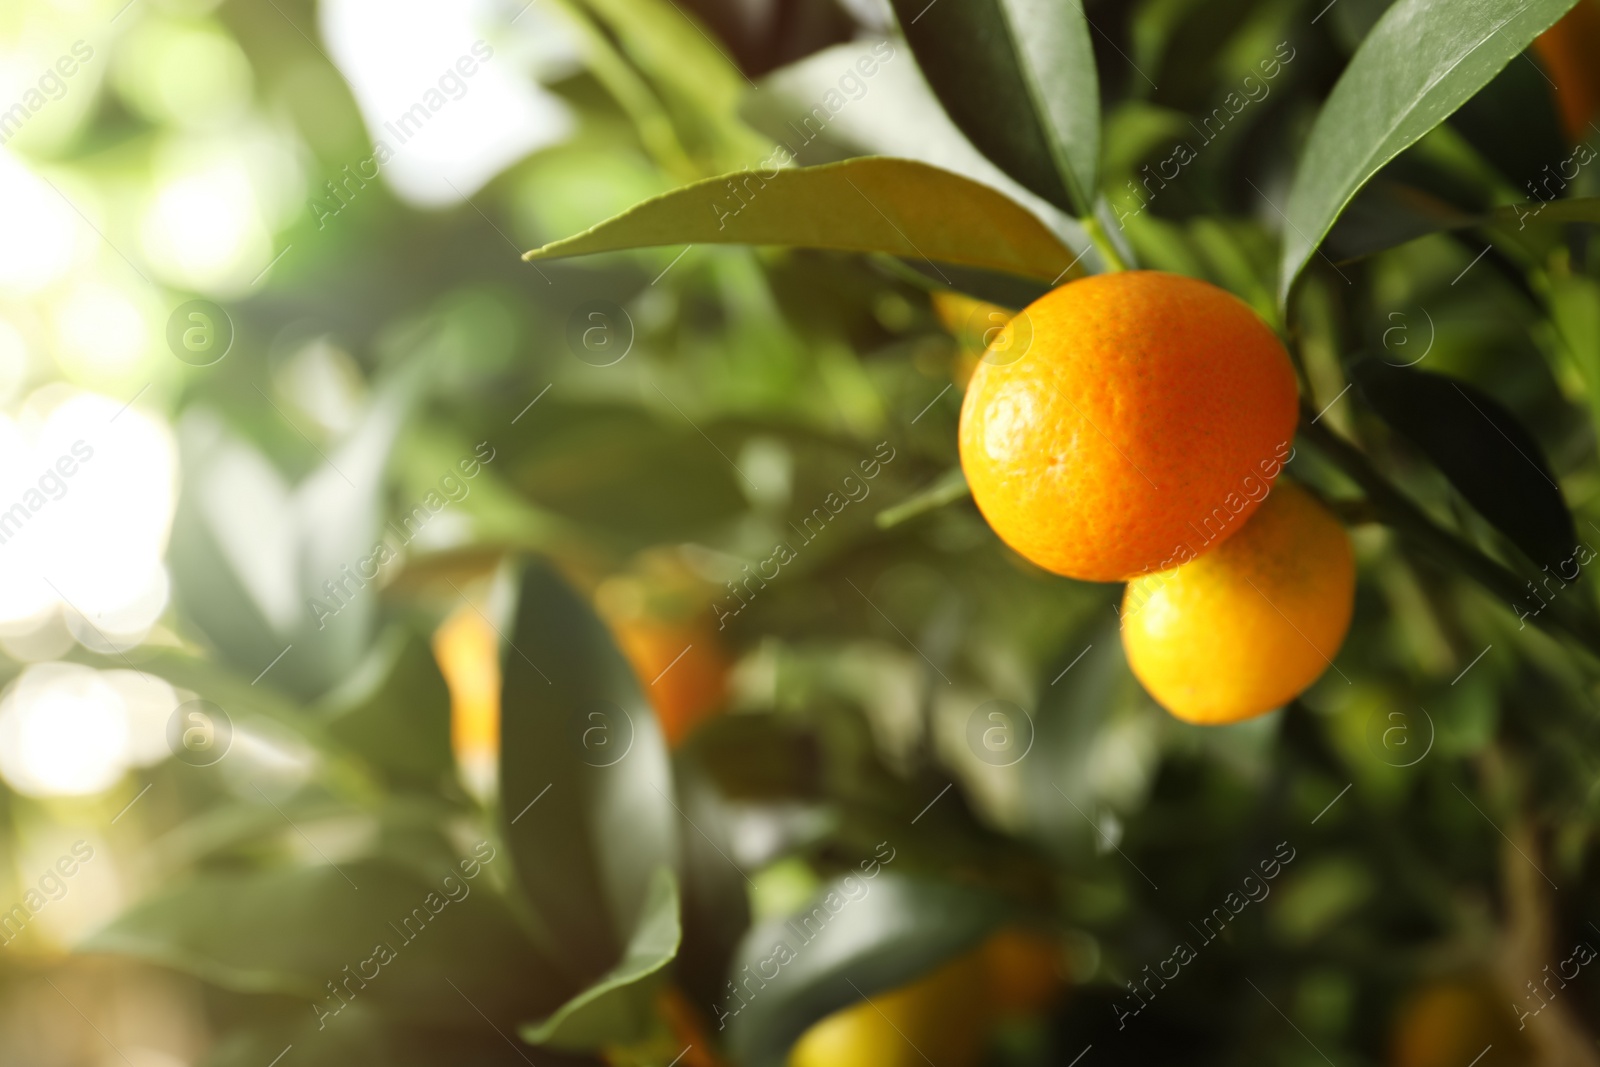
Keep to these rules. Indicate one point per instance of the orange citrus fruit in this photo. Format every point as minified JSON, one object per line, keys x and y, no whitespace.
{"x":468,"y":651}
{"x":1455,"y":1021}
{"x":1126,"y":422}
{"x":1015,"y":972}
{"x":941,"y":1017}
{"x":681,"y":667}
{"x":1025,"y":971}
{"x":1568,"y":50}
{"x":1246,"y":627}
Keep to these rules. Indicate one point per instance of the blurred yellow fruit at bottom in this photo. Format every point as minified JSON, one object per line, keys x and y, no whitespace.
{"x":942,"y":1015}
{"x":945,"y":1016}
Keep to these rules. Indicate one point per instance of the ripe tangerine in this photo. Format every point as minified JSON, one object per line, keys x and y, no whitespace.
{"x":1126,"y":422}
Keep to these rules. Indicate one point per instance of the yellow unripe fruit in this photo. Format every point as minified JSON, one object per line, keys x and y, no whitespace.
{"x":1253,"y":622}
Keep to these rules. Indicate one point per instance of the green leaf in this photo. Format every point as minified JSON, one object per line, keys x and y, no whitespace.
{"x":1575,"y":314}
{"x":904,"y":121}
{"x":1482,"y":448}
{"x":716,"y":892}
{"x":1422,"y":61}
{"x":858,"y":936}
{"x":361,"y":1035}
{"x":1578,"y":209}
{"x":265,"y":569}
{"x":1018,"y":77}
{"x":620,"y":472}
{"x":584,"y":778}
{"x":1386,"y":216}
{"x":293,"y":931}
{"x":1087,"y":695}
{"x":893,"y":206}
{"x":695,"y":78}
{"x":394,"y":710}
{"x":618,"y":1007}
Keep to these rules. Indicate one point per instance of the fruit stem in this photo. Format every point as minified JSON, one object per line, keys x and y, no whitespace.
{"x":1399,"y":512}
{"x":1103,"y":243}
{"x":950,"y":487}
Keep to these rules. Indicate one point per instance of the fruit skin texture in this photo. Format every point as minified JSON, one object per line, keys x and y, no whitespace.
{"x":1243,"y":629}
{"x":1138,"y":428}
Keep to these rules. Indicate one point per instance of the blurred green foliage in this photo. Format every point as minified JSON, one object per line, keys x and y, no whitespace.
{"x":1437,"y":790}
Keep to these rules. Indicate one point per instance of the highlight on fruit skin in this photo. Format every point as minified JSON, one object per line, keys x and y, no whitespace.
{"x":1125,"y":423}
{"x":1245,"y":628}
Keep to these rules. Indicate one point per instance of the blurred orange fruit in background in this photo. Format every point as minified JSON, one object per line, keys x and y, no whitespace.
{"x":468,"y":651}
{"x":1570,"y":51}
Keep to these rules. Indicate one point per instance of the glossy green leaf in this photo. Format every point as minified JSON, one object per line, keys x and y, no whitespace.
{"x":893,"y":206}
{"x":904,"y":119}
{"x":1421,"y":62}
{"x":584,"y":778}
{"x":1483,"y":449}
{"x":618,"y":1008}
{"x":294,"y":931}
{"x":1018,"y":77}
{"x":860,"y":935}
